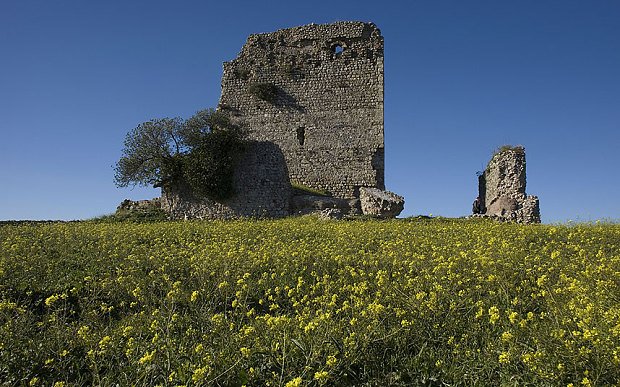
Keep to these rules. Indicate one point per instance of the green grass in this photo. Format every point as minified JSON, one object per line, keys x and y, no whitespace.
{"x":309,"y":190}
{"x":304,"y":302}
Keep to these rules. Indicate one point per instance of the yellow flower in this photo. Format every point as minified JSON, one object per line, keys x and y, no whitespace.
{"x":103,"y":343}
{"x":493,"y":314}
{"x":294,"y":382}
{"x":331,"y":361}
{"x":83,"y":332}
{"x":194,"y":296}
{"x":479,"y":313}
{"x":127,"y":330}
{"x":375,"y":309}
{"x":148,"y":357}
{"x":507,"y":336}
{"x":321,"y":376}
{"x":51,"y":299}
{"x":200,"y":373}
{"x":541,"y":280}
{"x":513,"y":316}
{"x":504,"y":358}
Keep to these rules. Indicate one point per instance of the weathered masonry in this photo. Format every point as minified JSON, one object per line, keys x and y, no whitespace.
{"x":316,"y":91}
{"x":502,"y":188}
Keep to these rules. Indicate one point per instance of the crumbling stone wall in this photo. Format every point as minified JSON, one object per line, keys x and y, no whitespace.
{"x":323,"y":105}
{"x":261,"y":184}
{"x":139,"y":205}
{"x":502,"y":188}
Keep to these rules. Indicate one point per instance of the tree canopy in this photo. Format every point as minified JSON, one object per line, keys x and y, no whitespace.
{"x":200,"y":152}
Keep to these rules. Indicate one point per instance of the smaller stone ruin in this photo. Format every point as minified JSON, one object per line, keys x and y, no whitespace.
{"x":502,"y":188}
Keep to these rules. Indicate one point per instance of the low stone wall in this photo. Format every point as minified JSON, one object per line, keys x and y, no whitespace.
{"x":139,"y":205}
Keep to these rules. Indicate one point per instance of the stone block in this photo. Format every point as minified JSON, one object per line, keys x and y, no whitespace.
{"x":502,"y":206}
{"x":383,"y":204}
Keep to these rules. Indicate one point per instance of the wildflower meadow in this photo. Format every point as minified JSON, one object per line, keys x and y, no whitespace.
{"x":305,"y":302}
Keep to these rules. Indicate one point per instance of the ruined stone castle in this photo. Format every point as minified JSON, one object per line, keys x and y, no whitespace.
{"x":311,"y":98}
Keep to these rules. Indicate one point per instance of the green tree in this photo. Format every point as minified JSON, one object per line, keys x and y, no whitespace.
{"x":209,"y":167}
{"x":216,"y":145}
{"x":200,"y":153}
{"x":152,"y":154}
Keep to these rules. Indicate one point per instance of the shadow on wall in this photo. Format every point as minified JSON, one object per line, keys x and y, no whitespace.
{"x":261,"y":184}
{"x":286,"y":100}
{"x":378,"y":165}
{"x":275,"y":95}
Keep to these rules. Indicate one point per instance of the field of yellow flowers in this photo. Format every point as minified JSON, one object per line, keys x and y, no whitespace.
{"x":304,"y":302}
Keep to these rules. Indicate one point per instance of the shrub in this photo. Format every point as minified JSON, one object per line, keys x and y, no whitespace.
{"x":210,"y":166}
{"x":242,"y":73}
{"x":147,"y":215}
{"x":264,"y":91}
{"x":309,"y":190}
{"x":509,"y":148}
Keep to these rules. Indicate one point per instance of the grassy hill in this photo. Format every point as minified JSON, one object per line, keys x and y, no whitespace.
{"x":300,"y":302}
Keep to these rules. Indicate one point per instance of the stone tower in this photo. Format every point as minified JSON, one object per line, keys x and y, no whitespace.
{"x":322,"y":102}
{"x":311,"y":100}
{"x":502,"y":187}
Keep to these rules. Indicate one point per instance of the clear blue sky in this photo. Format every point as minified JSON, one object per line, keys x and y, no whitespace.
{"x":461,"y":78}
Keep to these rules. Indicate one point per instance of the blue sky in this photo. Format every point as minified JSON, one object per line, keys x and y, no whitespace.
{"x":461,"y":78}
